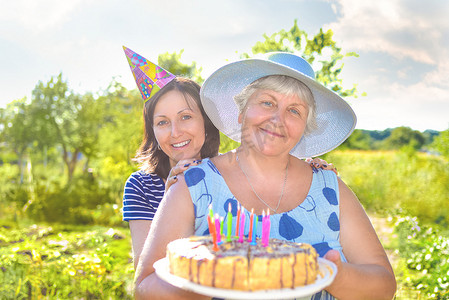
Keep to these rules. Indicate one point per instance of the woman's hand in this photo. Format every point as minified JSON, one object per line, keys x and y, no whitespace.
{"x":180,"y":167}
{"x":321,"y":164}
{"x":334,"y":256}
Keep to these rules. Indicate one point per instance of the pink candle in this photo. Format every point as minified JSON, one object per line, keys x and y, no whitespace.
{"x":217,"y":229}
{"x":267,"y":239}
{"x":238,"y":220}
{"x":264,"y":229}
{"x":242,"y":227}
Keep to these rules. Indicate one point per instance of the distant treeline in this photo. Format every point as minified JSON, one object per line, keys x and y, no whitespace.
{"x":391,"y":139}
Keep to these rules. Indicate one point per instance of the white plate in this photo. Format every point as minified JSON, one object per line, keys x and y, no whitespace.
{"x":327,"y":268}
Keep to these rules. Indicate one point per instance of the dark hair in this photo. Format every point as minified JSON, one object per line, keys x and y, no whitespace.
{"x":152,"y":159}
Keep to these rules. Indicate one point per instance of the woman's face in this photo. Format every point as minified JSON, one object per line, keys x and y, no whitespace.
{"x":178,"y":127}
{"x":273,"y":123}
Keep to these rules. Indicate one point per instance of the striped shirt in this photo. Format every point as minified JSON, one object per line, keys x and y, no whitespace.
{"x":141,"y":197}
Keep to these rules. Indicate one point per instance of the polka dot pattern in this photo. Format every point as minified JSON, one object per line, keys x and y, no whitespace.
{"x":315,"y":220}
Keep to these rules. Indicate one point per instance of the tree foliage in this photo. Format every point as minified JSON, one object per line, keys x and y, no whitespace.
{"x":359,"y":140}
{"x":172,"y":63}
{"x":321,"y":51}
{"x":404,"y":137}
{"x":17,"y":130}
{"x":65,"y":119}
{"x":441,"y":144}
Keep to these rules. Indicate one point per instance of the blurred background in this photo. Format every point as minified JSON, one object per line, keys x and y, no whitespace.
{"x":71,"y":122}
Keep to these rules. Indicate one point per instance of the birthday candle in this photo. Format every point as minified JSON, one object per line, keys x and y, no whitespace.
{"x":221,"y":225}
{"x":242,"y":227}
{"x":267,"y":239}
{"x":217,"y":229}
{"x":264,"y":227}
{"x":250,"y":235}
{"x":238,"y":220}
{"x":229,"y":221}
{"x":212,"y":232}
{"x":211,"y":212}
{"x":254,"y":237}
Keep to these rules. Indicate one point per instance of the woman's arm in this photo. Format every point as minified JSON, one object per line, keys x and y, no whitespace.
{"x":139,"y":231}
{"x":368,"y":273}
{"x":174,"y":219}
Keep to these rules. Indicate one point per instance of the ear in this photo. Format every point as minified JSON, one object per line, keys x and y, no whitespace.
{"x":240,"y":118}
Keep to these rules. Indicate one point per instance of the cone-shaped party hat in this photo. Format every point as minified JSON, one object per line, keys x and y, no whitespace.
{"x":149,"y":77}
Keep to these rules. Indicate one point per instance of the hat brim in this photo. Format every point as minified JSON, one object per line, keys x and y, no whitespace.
{"x":335,"y":119}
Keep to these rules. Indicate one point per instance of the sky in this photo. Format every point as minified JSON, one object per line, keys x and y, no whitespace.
{"x":403,"y":46}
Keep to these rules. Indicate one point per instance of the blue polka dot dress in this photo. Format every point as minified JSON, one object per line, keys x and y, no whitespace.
{"x":314,"y":221}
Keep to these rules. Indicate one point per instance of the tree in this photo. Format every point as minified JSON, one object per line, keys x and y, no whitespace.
{"x":441,"y":143}
{"x":66,"y":120}
{"x":321,"y":50}
{"x":404,"y":137}
{"x":359,"y":139}
{"x":172,"y":63}
{"x":122,"y":131}
{"x":17,"y":130}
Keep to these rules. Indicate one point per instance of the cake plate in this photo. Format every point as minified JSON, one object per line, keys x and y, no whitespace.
{"x":327,"y":273}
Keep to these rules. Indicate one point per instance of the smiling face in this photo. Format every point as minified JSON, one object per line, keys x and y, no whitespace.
{"x":273,"y":123}
{"x":178,"y":127}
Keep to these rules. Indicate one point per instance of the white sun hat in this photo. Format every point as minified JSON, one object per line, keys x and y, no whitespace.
{"x":335,"y":119}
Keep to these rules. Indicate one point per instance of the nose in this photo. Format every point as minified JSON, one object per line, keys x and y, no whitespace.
{"x":278,"y":118}
{"x":176,"y":130}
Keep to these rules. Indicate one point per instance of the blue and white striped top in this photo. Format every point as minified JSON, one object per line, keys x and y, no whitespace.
{"x":141,"y":197}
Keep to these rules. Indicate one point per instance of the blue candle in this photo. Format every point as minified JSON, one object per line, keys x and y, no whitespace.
{"x":253,"y":239}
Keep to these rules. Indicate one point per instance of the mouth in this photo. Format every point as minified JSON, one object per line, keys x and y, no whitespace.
{"x":181,"y":144}
{"x":275,"y":134}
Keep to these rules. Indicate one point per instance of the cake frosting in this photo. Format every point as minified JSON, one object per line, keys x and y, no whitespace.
{"x":242,"y":265}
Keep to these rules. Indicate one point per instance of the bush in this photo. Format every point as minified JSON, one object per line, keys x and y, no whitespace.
{"x":426,"y":255}
{"x":70,"y":204}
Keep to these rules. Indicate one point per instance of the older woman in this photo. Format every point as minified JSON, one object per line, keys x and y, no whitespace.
{"x":282,"y":115}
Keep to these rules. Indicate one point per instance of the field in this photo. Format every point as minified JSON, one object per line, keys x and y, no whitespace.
{"x":54,"y":262}
{"x":405,"y":195}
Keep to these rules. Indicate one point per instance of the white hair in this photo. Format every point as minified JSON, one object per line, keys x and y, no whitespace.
{"x":284,"y":85}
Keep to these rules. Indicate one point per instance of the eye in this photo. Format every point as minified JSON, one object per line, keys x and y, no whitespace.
{"x":295,"y":111}
{"x":161,"y":123}
{"x":267,"y":103}
{"x":186,"y":117}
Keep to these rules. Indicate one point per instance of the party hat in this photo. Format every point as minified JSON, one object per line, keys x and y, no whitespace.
{"x":149,"y":77}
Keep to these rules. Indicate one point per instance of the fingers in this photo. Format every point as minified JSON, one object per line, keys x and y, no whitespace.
{"x":183,"y":165}
{"x":333,"y":256}
{"x":321,"y":164}
{"x":180,"y":167}
{"x":170,"y":181}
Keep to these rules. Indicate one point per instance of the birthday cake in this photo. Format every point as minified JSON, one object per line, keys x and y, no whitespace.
{"x":242,"y":265}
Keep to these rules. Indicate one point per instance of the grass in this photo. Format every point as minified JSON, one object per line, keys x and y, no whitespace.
{"x":385,"y":181}
{"x":65,"y":262}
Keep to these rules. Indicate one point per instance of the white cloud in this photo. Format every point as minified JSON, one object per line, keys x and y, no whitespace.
{"x":404,"y":60}
{"x":402,"y":28}
{"x":38,"y":16}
